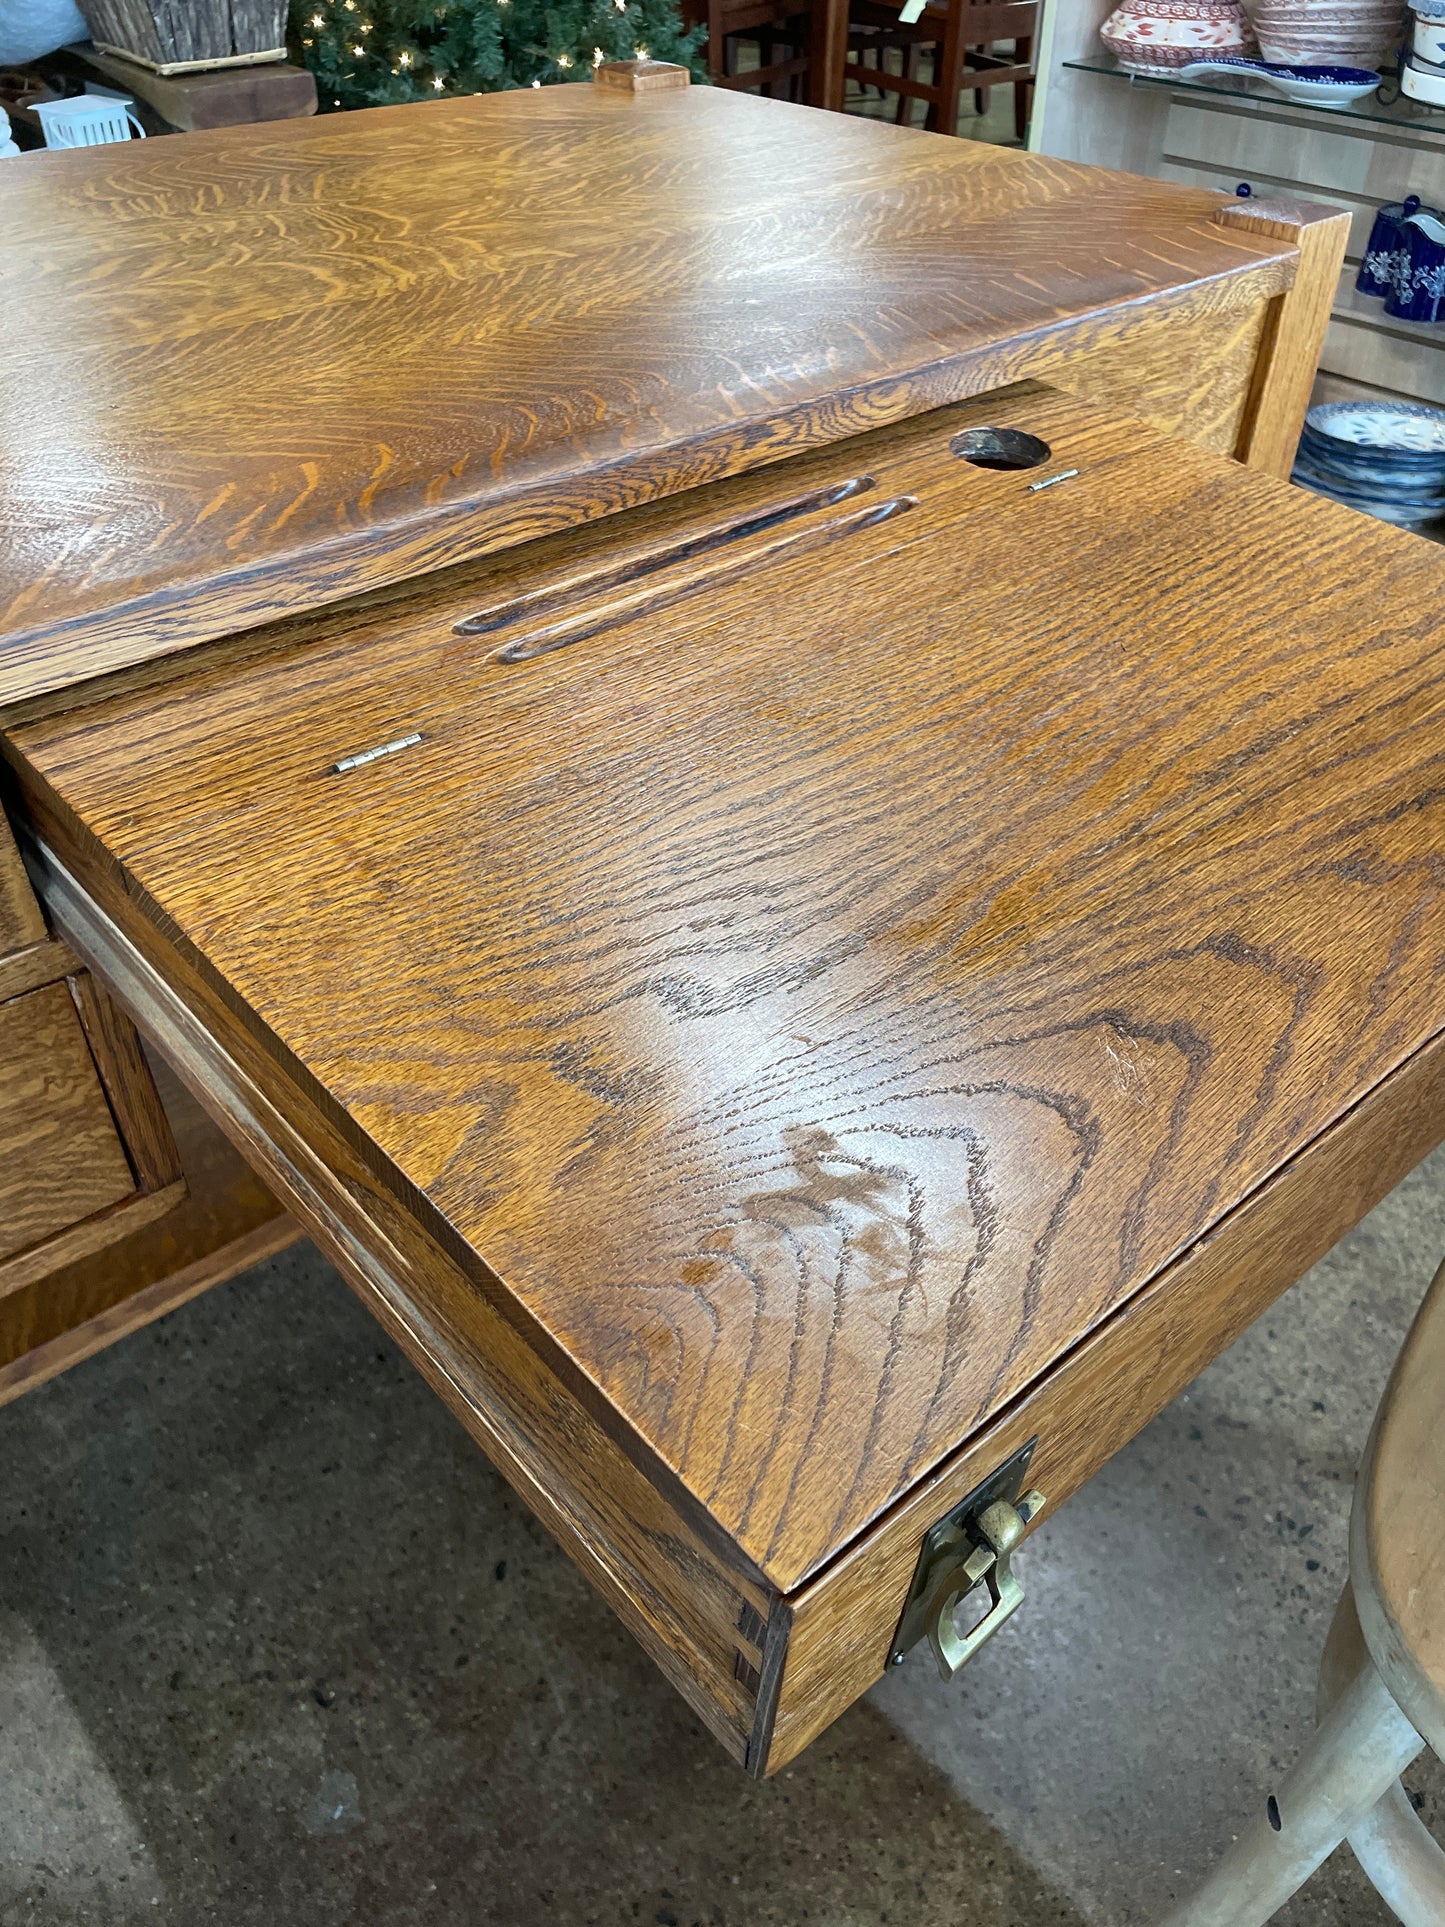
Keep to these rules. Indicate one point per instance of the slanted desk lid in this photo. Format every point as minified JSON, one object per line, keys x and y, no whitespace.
{"x":823,"y":959}
{"x":252,"y":370}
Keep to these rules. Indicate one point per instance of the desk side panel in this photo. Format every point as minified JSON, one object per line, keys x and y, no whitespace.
{"x":1237,"y":381}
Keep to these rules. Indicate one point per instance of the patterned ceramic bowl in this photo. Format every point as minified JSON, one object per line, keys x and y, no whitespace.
{"x":1150,"y":36}
{"x":1364,"y":34}
{"x":1408,"y":426}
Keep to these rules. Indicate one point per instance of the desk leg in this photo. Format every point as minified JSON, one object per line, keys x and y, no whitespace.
{"x":828,"y":52}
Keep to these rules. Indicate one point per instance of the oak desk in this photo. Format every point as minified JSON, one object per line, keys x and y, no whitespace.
{"x":784,"y":960}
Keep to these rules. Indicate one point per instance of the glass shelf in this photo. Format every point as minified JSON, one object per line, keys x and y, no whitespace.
{"x":1398,"y":113}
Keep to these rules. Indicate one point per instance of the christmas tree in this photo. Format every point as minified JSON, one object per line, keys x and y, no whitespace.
{"x":366,"y":53}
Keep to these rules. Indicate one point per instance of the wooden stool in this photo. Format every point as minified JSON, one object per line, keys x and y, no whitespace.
{"x":963,"y":35}
{"x":782,"y":29}
{"x":1382,"y":1681}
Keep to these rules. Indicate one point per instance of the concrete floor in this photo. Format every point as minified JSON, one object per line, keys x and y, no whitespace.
{"x":276,"y":1646}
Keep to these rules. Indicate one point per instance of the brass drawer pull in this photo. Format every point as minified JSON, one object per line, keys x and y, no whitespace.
{"x":973,"y":1545}
{"x":999,"y":1529}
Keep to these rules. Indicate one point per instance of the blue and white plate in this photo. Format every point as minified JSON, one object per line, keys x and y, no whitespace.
{"x":1384,"y":457}
{"x":1373,"y":468}
{"x":1402,"y":514}
{"x":1422,"y":501}
{"x":1319,"y":86}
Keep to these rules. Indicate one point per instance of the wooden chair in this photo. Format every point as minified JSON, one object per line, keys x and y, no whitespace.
{"x":1382,"y":1681}
{"x":781,"y":29}
{"x":963,"y":35}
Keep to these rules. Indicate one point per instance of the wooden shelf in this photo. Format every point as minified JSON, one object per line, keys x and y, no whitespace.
{"x":218,"y":97}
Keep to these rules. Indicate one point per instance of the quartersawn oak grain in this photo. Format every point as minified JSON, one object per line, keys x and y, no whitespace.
{"x":1295,"y":325}
{"x":812,"y":1004}
{"x":129,"y":1087}
{"x":86,"y":1151}
{"x":266,"y":367}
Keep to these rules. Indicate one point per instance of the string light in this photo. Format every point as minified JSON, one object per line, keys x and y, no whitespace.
{"x":598,"y":56}
{"x":536,"y":83}
{"x":564,"y":60}
{"x":403,"y":60}
{"x":317,"y":21}
{"x":438,"y":83}
{"x":359,"y":51}
{"x":641,"y":52}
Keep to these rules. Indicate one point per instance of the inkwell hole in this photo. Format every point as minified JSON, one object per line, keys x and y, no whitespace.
{"x":1000,"y":448}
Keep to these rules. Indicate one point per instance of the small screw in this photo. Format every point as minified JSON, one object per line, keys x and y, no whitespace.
{"x":897,"y":1660}
{"x":1064,"y":475}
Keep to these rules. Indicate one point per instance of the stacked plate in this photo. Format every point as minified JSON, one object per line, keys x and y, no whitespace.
{"x":1384,"y":457}
{"x":1315,"y":33}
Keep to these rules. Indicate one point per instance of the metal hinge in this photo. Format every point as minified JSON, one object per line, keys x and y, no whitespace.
{"x":972,"y":1545}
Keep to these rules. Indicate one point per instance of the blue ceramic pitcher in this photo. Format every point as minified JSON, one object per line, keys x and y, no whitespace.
{"x":1386,"y":250}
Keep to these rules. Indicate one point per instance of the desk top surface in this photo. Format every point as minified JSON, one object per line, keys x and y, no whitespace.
{"x":252,"y":370}
{"x":820,"y":962}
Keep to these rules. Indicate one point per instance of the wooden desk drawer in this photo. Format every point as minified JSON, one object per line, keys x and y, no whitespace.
{"x":21,"y":923}
{"x":86,"y":1155}
{"x":781,"y":1000}
{"x":60,"y":1156}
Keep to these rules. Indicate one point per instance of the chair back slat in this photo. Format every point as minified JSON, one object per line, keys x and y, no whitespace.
{"x":963,"y":35}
